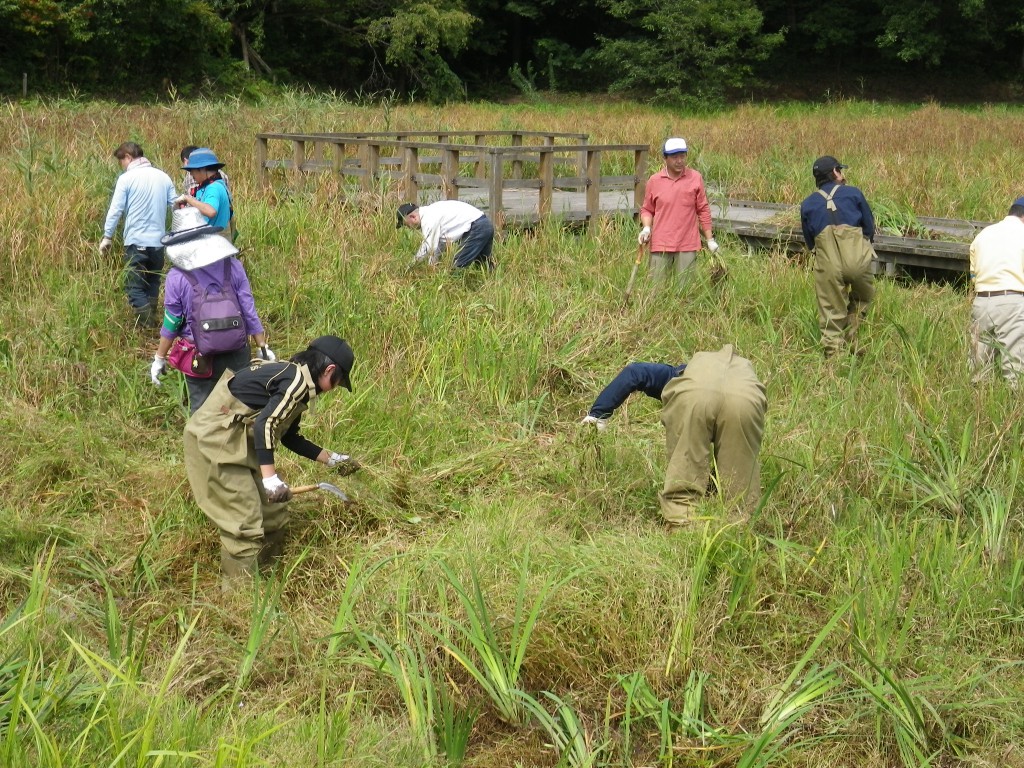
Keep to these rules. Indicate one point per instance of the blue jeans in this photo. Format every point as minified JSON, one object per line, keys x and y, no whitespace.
{"x":476,"y":244}
{"x":143,"y":268}
{"x":200,"y":389}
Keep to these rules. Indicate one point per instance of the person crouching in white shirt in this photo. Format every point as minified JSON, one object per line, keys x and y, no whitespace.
{"x":450,"y":224}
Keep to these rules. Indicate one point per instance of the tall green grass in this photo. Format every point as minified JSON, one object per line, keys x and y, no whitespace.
{"x":501,"y":592}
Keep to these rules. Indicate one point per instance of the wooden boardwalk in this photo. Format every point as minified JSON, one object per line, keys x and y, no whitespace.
{"x":522,"y":177}
{"x":756,"y":224}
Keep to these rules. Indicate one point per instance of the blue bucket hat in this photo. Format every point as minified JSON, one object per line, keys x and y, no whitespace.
{"x":202,"y":158}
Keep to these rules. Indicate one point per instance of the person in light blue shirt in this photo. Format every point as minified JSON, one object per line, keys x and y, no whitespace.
{"x":211,"y":198}
{"x":142,"y":195}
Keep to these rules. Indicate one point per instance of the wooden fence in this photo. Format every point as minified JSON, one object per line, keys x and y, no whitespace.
{"x":560,"y":173}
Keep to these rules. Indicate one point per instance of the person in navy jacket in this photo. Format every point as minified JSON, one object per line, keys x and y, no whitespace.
{"x":839,"y":227}
{"x":712,"y":406}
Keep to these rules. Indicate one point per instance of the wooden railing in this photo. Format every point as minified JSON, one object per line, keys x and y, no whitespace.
{"x":532,"y":175}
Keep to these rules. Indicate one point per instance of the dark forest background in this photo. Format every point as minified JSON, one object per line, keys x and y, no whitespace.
{"x":687,"y":52}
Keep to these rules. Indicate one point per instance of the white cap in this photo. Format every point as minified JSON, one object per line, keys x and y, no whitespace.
{"x":674,"y":146}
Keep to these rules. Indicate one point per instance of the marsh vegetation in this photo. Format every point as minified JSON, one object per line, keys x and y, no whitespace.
{"x":502,"y":592}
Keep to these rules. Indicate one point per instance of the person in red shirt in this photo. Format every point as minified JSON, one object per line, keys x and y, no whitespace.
{"x":675,"y":205}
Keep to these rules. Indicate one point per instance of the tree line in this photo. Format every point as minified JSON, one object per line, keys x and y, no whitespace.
{"x":675,"y":50}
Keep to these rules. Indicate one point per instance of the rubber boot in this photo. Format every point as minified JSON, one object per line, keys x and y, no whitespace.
{"x":236,"y":571}
{"x":273,"y":548}
{"x":143,"y":317}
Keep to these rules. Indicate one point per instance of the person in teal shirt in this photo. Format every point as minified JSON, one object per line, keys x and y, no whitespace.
{"x":211,"y":198}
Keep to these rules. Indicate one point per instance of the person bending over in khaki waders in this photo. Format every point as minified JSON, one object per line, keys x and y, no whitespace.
{"x":230,"y":443}
{"x":713,"y":405}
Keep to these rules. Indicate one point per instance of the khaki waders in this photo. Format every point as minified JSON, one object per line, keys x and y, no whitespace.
{"x":717,"y":401}
{"x":843,"y":283}
{"x":220,"y":458}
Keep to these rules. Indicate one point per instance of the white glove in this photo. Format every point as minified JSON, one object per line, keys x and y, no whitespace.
{"x":105,"y":244}
{"x":712,"y":245}
{"x":345,"y":464}
{"x":276,"y":488}
{"x":157,"y":369}
{"x":645,"y":236}
{"x":266,"y":353}
{"x":601,"y":424}
{"x":181,"y":200}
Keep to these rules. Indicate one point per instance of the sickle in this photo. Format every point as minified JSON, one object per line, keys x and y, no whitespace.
{"x":321,"y":487}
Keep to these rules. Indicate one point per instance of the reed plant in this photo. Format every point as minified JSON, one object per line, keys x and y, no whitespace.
{"x":501,"y":583}
{"x":494,"y":662}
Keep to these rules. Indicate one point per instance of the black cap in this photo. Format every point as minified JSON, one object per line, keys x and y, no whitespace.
{"x":340,"y":353}
{"x":823,"y":167}
{"x":404,"y":210}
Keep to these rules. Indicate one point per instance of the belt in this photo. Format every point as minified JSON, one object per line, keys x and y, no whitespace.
{"x":990,"y":294}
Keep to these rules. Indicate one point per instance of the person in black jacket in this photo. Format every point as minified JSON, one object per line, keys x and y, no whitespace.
{"x":230,"y":443}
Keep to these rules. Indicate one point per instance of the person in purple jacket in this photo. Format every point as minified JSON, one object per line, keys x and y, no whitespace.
{"x":195,"y":247}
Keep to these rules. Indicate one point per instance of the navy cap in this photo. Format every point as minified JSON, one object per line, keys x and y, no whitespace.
{"x":823,"y":167}
{"x":404,"y":210}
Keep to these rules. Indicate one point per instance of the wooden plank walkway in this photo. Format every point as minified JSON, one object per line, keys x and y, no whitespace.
{"x":753,"y":223}
{"x":561,"y":175}
{"x":757,"y":225}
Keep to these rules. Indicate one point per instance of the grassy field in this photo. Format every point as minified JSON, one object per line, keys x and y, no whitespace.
{"x":502,"y":592}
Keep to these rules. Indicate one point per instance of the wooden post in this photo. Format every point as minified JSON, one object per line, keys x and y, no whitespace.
{"x":371,"y":166}
{"x":546,"y":172}
{"x":338,"y":158}
{"x":481,"y":163}
{"x":411,"y":189}
{"x":593,"y":186}
{"x":640,"y":160}
{"x":450,"y":173}
{"x":494,"y":196}
{"x":517,"y":164}
{"x":298,"y":160}
{"x":261,"y":161}
{"x":581,"y":159}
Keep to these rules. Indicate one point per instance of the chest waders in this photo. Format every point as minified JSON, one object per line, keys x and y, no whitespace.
{"x":220,"y":459}
{"x":716,"y":404}
{"x":843,"y":282}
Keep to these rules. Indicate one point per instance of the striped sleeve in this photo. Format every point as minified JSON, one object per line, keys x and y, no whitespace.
{"x":287,"y":392}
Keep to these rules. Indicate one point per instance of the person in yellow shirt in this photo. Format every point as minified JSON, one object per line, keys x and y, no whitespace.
{"x":997,"y":311}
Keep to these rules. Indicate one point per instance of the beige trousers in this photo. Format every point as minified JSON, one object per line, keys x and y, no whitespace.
{"x":665,"y":263}
{"x":717,"y":405}
{"x":997,"y":335}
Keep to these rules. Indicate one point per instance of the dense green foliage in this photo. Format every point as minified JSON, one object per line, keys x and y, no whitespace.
{"x":501,"y":592}
{"x":680,"y":50}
